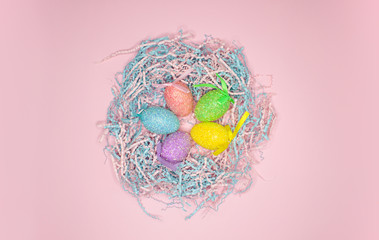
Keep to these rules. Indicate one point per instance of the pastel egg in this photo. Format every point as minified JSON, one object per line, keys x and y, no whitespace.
{"x":212,"y":106}
{"x":178,"y":101}
{"x":174,"y":149}
{"x":210,"y":135}
{"x":159,"y":120}
{"x":213,"y":136}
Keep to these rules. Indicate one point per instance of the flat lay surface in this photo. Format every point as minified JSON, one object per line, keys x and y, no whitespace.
{"x":318,"y":174}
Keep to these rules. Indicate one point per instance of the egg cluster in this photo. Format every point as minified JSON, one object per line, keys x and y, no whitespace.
{"x":210,"y":135}
{"x":187,"y":123}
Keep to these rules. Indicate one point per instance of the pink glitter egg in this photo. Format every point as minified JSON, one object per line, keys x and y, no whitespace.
{"x":178,"y":101}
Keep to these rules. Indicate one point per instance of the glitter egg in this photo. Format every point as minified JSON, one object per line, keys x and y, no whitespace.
{"x":159,"y":120}
{"x":174,"y":149}
{"x":178,"y":101}
{"x":214,"y":104}
{"x":213,"y":136}
{"x":210,"y":135}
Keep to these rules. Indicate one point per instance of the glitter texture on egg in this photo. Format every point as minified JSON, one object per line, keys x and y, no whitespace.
{"x":210,"y":135}
{"x":174,"y":149}
{"x":156,"y":168}
{"x":212,"y":106}
{"x":178,"y":101}
{"x":214,"y":136}
{"x":159,"y":120}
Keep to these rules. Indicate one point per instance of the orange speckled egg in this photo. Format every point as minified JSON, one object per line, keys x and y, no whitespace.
{"x":178,"y":101}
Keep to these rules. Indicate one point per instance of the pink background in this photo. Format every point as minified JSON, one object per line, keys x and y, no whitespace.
{"x":319,"y":166}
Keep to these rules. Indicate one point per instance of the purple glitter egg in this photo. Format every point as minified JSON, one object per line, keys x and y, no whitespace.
{"x":174,"y":149}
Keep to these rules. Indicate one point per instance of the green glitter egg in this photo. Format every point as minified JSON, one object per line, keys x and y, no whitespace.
{"x":214,"y":104}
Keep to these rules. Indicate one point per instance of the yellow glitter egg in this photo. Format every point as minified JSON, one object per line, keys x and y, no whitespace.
{"x":210,"y":135}
{"x":213,"y":136}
